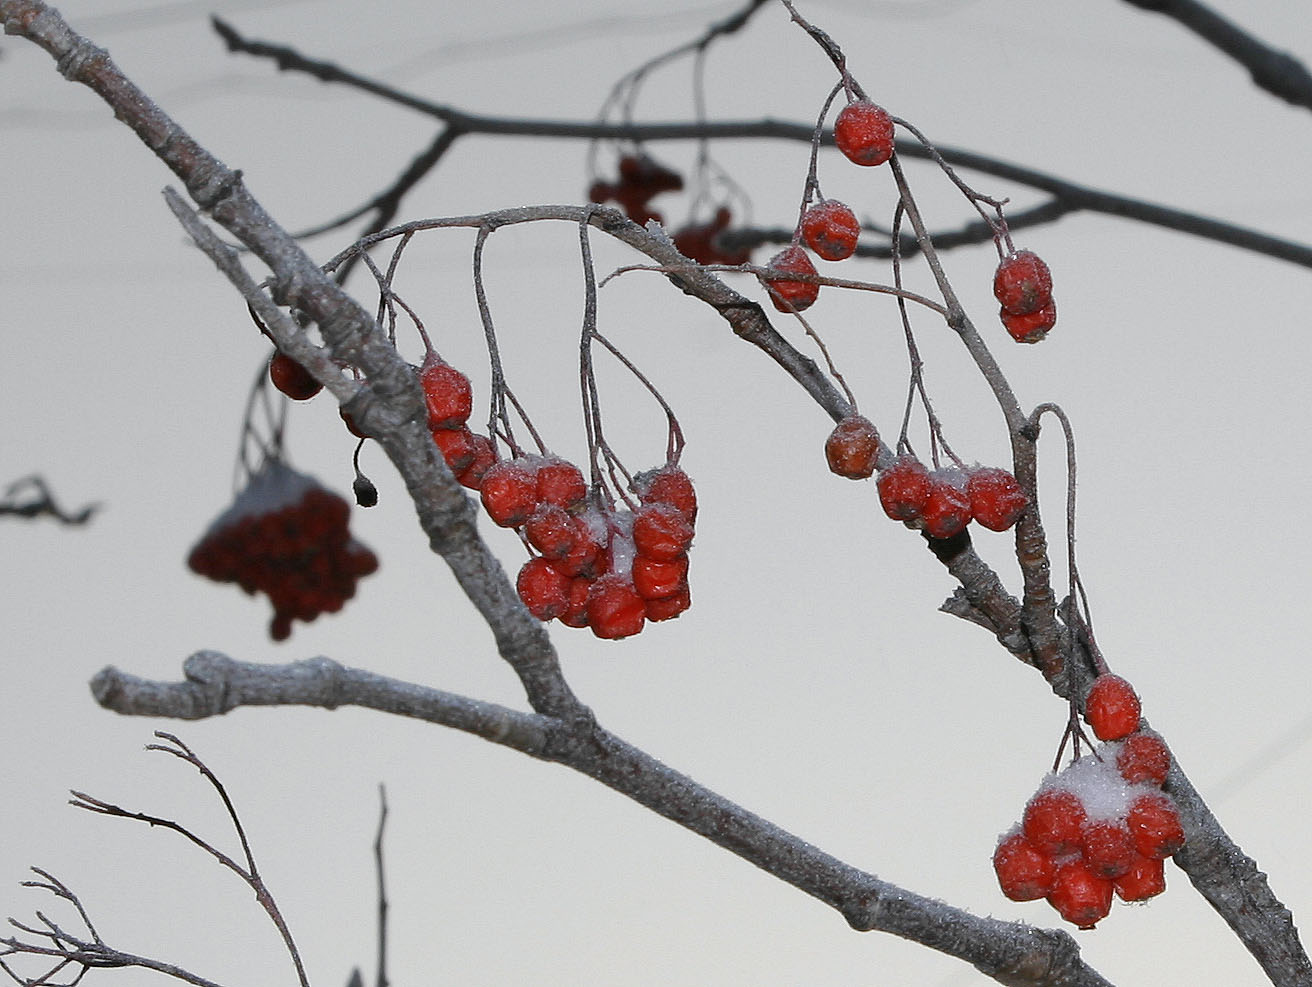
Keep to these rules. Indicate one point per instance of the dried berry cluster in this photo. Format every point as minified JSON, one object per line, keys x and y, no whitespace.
{"x":593,"y":565}
{"x":864,"y":134}
{"x":1102,"y":826}
{"x":641,"y":178}
{"x":1023,"y":286}
{"x":287,"y":537}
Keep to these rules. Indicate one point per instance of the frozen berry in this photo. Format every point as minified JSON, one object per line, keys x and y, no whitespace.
{"x":1108,"y":848}
{"x":996,"y":499}
{"x":1022,"y":283}
{"x":509,"y":493}
{"x":1032,"y":327}
{"x":484,"y":456}
{"x":669,"y":607}
{"x":852,"y":448}
{"x":1081,"y":896}
{"x":615,"y":609}
{"x":668,"y":485}
{"x":561,"y":483}
{"x":1111,"y":707}
{"x":792,"y":296}
{"x":831,"y":229}
{"x":291,"y":378}
{"x":447,"y":393}
{"x":947,"y":509}
{"x":1054,"y":821}
{"x":457,"y":446}
{"x":1144,"y":757}
{"x":553,"y":531}
{"x":1025,"y":873}
{"x":864,"y":133}
{"x":661,"y":532}
{"x":904,"y":488}
{"x":658,"y":578}
{"x":1155,"y":826}
{"x":1145,"y":879}
{"x":543,"y":588}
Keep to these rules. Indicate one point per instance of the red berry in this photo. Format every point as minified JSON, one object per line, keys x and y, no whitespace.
{"x":831,"y":229}
{"x":1112,"y":708}
{"x":852,"y":448}
{"x":1144,"y":757}
{"x":457,"y":446}
{"x":484,"y":456}
{"x":560,"y":482}
{"x":1155,"y":826}
{"x":1054,"y":821}
{"x":1032,"y":327}
{"x":947,"y":510}
{"x":447,"y":393}
{"x":1145,"y":879}
{"x":576,"y":614}
{"x":904,"y":488}
{"x":655,"y":579}
{"x":509,"y":492}
{"x":792,"y":296}
{"x":661,"y":532}
{"x":1025,"y":873}
{"x":1022,"y":283}
{"x":543,"y":588}
{"x":291,"y":378}
{"x":668,"y":485}
{"x":1081,"y":896}
{"x":1108,"y":848}
{"x":615,"y":609}
{"x":864,"y":133}
{"x":553,"y":531}
{"x":669,"y":607}
{"x":996,"y":499}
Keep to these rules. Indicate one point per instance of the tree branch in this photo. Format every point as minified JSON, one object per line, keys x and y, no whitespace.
{"x":1009,"y":952}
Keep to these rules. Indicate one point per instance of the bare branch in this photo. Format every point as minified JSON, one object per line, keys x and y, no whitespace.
{"x":39,"y":502}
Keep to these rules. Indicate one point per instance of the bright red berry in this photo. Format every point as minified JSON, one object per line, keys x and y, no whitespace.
{"x":1145,"y":879}
{"x":904,"y":488}
{"x":852,"y":448}
{"x":1022,"y":283}
{"x":576,"y":614}
{"x":1054,"y":821}
{"x":1081,"y":896}
{"x":668,"y":485}
{"x":447,"y":393}
{"x":947,"y":509}
{"x":544,"y":589}
{"x":1155,"y":825}
{"x":669,"y":607}
{"x":291,"y":378}
{"x":1108,"y":848}
{"x":831,"y":229}
{"x":1112,"y":708}
{"x":615,"y":609}
{"x":560,"y":482}
{"x":661,"y":532}
{"x":509,"y":493}
{"x":1144,"y":757}
{"x":655,"y":579}
{"x":457,"y":446}
{"x":996,"y":499}
{"x":1025,"y":873}
{"x":553,"y":531}
{"x":792,"y":296}
{"x":864,"y":133}
{"x":1032,"y":327}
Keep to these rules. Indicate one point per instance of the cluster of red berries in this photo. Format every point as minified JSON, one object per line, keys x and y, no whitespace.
{"x":1101,"y":827}
{"x":287,"y":537}
{"x":641,"y":178}
{"x":593,"y":566}
{"x":1023,"y":286}
{"x":945,"y":500}
{"x":701,"y":242}
{"x":864,"y":133}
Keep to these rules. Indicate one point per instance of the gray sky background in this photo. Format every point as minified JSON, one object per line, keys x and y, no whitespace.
{"x":813,"y":680}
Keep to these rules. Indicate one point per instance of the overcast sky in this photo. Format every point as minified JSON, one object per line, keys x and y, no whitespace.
{"x":813,"y":681}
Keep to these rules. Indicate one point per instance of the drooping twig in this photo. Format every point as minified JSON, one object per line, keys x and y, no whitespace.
{"x":30,"y":497}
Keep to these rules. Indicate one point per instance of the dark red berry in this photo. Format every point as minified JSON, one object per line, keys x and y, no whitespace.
{"x":1022,"y":283}
{"x":996,"y":499}
{"x":831,"y":229}
{"x":864,"y":133}
{"x":852,"y":448}
{"x":904,"y":488}
{"x":792,"y":296}
{"x":291,"y":378}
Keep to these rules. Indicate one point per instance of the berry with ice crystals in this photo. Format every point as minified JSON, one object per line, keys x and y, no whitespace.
{"x":864,"y":133}
{"x":1022,"y":283}
{"x":792,"y":296}
{"x":1111,"y":707}
{"x":1081,"y":896}
{"x":1155,"y":825}
{"x":1054,"y":821}
{"x":831,"y":229}
{"x":852,"y":448}
{"x":904,"y":488}
{"x":996,"y":499}
{"x":1025,"y":873}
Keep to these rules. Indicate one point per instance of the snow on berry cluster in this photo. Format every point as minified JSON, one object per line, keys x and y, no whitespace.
{"x":593,"y":565}
{"x":1023,"y":286}
{"x":1101,"y":827}
{"x":287,"y":537}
